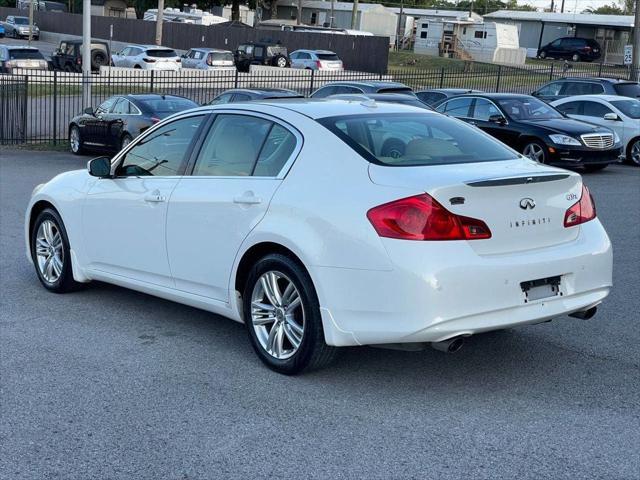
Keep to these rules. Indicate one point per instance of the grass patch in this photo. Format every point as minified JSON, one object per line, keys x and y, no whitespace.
{"x":413,"y":61}
{"x":59,"y":146}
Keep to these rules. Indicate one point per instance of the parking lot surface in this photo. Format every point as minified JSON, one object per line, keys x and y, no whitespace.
{"x":110,"y":383}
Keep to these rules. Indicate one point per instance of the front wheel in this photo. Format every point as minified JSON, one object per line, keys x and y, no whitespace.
{"x":282,"y":316}
{"x":633,"y":152}
{"x":280,"y":61}
{"x":50,"y":253}
{"x":575,"y":57}
{"x":75,"y":140}
{"x":535,"y":151}
{"x":543,"y":54}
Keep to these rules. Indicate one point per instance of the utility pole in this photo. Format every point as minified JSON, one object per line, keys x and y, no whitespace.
{"x":30,"y":21}
{"x":635,"y":62}
{"x":333,"y":13}
{"x":400,"y":32}
{"x":354,"y":15}
{"x":562,"y":7}
{"x":299,"y":14}
{"x":86,"y":54}
{"x":159,"y":21}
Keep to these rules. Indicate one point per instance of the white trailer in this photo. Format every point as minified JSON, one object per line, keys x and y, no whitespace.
{"x":194,"y":15}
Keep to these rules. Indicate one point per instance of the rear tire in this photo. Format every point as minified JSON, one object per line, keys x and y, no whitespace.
{"x":50,"y":252}
{"x":282,"y":316}
{"x":543,"y":55}
{"x":575,"y":57}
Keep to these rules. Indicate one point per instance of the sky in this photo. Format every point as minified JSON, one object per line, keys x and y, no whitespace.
{"x":570,"y":6}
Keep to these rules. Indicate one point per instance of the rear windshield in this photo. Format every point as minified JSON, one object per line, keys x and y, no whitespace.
{"x":593,"y":44}
{"x":416,"y":139}
{"x":628,"y":89}
{"x":630,"y":107}
{"x":162,"y":53}
{"x":327,"y":56}
{"x":168,"y":105}
{"x":25,"y":54}
{"x":221,"y":56}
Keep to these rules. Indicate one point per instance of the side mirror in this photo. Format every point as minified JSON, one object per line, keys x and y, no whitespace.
{"x":611,"y":116}
{"x":88,"y":111}
{"x":100,"y":167}
{"x":497,"y":118}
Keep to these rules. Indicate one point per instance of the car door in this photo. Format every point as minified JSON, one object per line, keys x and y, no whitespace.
{"x":116,"y":122}
{"x":119,"y":58}
{"x":188,"y":59}
{"x":124,"y":217}
{"x":554,"y":48}
{"x":240,"y":164}
{"x":483,"y":111}
{"x":93,"y":128}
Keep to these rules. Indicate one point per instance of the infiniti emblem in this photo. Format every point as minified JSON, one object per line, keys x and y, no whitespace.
{"x":527,"y":204}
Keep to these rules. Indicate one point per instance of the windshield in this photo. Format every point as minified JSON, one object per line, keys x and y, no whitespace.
{"x":25,"y":54}
{"x":416,"y":139}
{"x":525,"y":108}
{"x":162,"y":53}
{"x":631,"y":107}
{"x":21,"y":21}
{"x":628,"y":89}
{"x":221,"y":56}
{"x":273,"y":51}
{"x":168,"y":105}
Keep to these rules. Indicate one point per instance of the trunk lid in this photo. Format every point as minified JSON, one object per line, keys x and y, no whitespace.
{"x":522,"y":202}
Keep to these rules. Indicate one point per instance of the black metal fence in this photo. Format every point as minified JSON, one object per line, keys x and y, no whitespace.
{"x":37,"y":106}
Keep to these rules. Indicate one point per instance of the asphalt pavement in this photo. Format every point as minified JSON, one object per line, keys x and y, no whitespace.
{"x":107,"y":383}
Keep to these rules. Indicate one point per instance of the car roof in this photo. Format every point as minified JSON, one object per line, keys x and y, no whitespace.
{"x":576,"y":98}
{"x":369,"y":83}
{"x":323,"y":108}
{"x":450,"y":90}
{"x":496,"y":96}
{"x":307,"y":50}
{"x":383,"y":97}
{"x":150,"y":96}
{"x":214,"y":50}
{"x":20,"y":47}
{"x":155,"y":47}
{"x":596,"y":79}
{"x":260,"y":91}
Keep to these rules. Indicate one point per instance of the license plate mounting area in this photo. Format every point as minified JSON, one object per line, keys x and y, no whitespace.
{"x":541,"y":288}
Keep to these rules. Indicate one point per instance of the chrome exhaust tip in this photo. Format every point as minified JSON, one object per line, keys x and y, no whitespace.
{"x":585,"y":314}
{"x":451,"y":345}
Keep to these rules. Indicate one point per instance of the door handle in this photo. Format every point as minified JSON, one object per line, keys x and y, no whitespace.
{"x":248,"y":199}
{"x":154,"y":198}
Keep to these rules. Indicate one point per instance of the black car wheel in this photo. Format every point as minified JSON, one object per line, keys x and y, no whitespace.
{"x":536,"y":151}
{"x":575,"y":57}
{"x":279,"y":61}
{"x":543,"y":54}
{"x":75,"y":140}
{"x":50,"y":253}
{"x":282,"y":316}
{"x":98,"y":59}
{"x":633,"y":152}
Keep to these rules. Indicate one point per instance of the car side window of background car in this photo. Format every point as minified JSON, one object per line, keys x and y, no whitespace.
{"x":223,"y":98}
{"x":258,"y":51}
{"x":431,"y":97}
{"x":125,"y":52}
{"x":325,"y":92}
{"x":345,"y":89}
{"x":595,"y":109}
{"x":121,"y":107}
{"x":277,"y":149}
{"x":105,"y":107}
{"x":484,"y":109}
{"x":241,"y":97}
{"x":552,"y":89}
{"x":571,"y":108}
{"x":232,"y":146}
{"x":458,"y":107}
{"x":582,"y":88}
{"x":162,"y":152}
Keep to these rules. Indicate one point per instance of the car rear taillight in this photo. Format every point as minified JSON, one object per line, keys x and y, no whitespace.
{"x":178,"y":60}
{"x":148,"y":60}
{"x":79,"y":60}
{"x":582,"y":211}
{"x":155,"y":120}
{"x":422,"y":218}
{"x":319,"y":64}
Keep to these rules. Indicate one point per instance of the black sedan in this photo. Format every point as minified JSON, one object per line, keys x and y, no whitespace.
{"x":247,"y":94}
{"x":536,"y":129}
{"x":118,"y":120}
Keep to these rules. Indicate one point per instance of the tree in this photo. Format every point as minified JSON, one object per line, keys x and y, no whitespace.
{"x":612,"y":9}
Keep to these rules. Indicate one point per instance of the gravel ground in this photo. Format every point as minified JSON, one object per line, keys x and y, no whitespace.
{"x":108,"y":383}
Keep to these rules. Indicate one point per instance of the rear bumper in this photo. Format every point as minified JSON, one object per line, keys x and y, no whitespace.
{"x":445,"y":289}
{"x":567,"y":157}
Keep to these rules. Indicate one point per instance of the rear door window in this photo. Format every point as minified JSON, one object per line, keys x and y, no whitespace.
{"x":484,"y":109}
{"x":571,"y":108}
{"x":457,"y":107}
{"x":551,"y":90}
{"x":595,"y":109}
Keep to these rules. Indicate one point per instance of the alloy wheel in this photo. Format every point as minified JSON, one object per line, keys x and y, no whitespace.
{"x":277,"y":315}
{"x":282,"y":62}
{"x":74,"y":139}
{"x":49,"y":251}
{"x":635,"y":153}
{"x":534,"y":152}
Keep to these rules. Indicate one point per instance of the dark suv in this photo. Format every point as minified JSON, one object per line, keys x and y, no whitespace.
{"x":571,"y":86}
{"x":68,"y":56}
{"x":261,"y":53}
{"x":572,"y":48}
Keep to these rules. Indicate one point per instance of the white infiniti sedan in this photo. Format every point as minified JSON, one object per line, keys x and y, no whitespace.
{"x":295,"y":217}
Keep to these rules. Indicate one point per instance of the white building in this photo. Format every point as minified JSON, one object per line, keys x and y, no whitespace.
{"x":193,"y":15}
{"x":468,"y":39}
